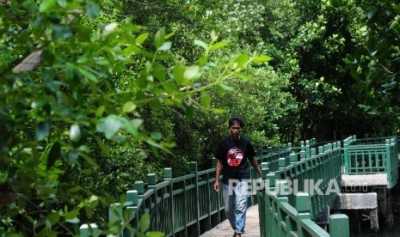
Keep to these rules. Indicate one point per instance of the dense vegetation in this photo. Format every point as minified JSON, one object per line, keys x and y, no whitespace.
{"x":95,"y":94}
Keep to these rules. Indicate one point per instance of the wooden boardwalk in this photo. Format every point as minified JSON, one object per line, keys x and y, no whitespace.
{"x":224,"y":229}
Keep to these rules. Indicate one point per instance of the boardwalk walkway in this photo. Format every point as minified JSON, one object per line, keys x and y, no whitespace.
{"x":224,"y":229}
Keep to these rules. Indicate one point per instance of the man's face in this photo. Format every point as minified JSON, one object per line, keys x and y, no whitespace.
{"x":234,"y":130}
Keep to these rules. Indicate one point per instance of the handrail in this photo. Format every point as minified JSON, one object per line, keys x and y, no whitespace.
{"x":372,"y":156}
{"x":292,"y":214}
{"x":187,"y":206}
{"x":188,"y":202}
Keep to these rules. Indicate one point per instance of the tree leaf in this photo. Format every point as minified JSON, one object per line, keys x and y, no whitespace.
{"x":156,"y":136}
{"x":132,"y":126}
{"x":159,"y":38}
{"x":73,"y":220}
{"x":141,"y":38}
{"x":192,"y":72}
{"x":178,"y":73}
{"x":128,"y":107}
{"x":226,"y":87}
{"x":92,"y":9}
{"x":87,"y":73}
{"x":47,"y":5}
{"x":62,"y":3}
{"x":218,"y":45}
{"x":110,"y":125}
{"x":29,"y":63}
{"x":241,"y":61}
{"x":42,"y":131}
{"x":61,"y":32}
{"x":205,"y":100}
{"x":110,"y":28}
{"x":202,"y":60}
{"x":154,"y":234}
{"x":53,"y":217}
{"x":100,"y":111}
{"x":165,"y":46}
{"x":200,"y":43}
{"x":144,"y":222}
{"x":261,"y":59}
{"x":74,"y":132}
{"x":159,"y":71}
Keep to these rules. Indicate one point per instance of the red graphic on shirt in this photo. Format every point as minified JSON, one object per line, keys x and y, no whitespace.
{"x":234,"y":157}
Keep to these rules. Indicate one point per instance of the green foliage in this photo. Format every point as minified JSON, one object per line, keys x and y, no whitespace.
{"x":91,"y":103}
{"x":95,"y":94}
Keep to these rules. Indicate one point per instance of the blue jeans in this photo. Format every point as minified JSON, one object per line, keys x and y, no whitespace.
{"x":235,"y":200}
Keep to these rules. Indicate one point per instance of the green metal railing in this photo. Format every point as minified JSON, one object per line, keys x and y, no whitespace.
{"x":188,"y":206}
{"x":181,"y":206}
{"x":178,"y":206}
{"x":281,"y":156}
{"x":281,"y":219}
{"x":372,"y":156}
{"x":293,"y":214}
{"x":273,"y":157}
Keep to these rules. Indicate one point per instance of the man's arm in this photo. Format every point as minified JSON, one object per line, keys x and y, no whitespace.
{"x":254,"y":163}
{"x":218,"y":169}
{"x":253,"y":160}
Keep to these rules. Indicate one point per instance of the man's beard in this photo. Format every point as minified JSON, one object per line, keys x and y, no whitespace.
{"x":236,"y":137}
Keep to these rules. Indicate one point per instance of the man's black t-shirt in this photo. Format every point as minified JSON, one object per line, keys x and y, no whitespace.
{"x":234,"y":156}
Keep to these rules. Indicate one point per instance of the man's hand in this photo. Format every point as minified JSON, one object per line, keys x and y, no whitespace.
{"x":217,"y":174}
{"x":216,"y":186}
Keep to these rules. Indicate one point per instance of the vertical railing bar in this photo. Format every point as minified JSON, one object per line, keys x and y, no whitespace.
{"x":209,"y":200}
{"x":185,"y":209}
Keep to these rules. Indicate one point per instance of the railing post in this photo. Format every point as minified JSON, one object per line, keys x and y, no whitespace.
{"x":293,"y":157}
{"x":326,"y":148}
{"x":194,"y":170}
{"x":131,"y":205}
{"x":167,"y":174}
{"x":89,"y":230}
{"x":152,"y":181}
{"x":264,"y":169}
{"x":346,"y":157}
{"x":303,"y":207}
{"x":185,"y":221}
{"x":282,"y":197}
{"x":302,"y":155}
{"x":262,"y":201}
{"x":303,"y":204}
{"x":209,"y":189}
{"x":339,"y":226}
{"x":139,"y":186}
{"x":281,"y":163}
{"x":395,"y":159}
{"x":168,"y":177}
{"x":269,"y":216}
{"x":320,"y":150}
{"x":388,"y":162}
{"x":132,"y":197}
{"x":313,"y":152}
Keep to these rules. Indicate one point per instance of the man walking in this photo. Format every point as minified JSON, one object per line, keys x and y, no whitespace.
{"x":233,"y":156}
